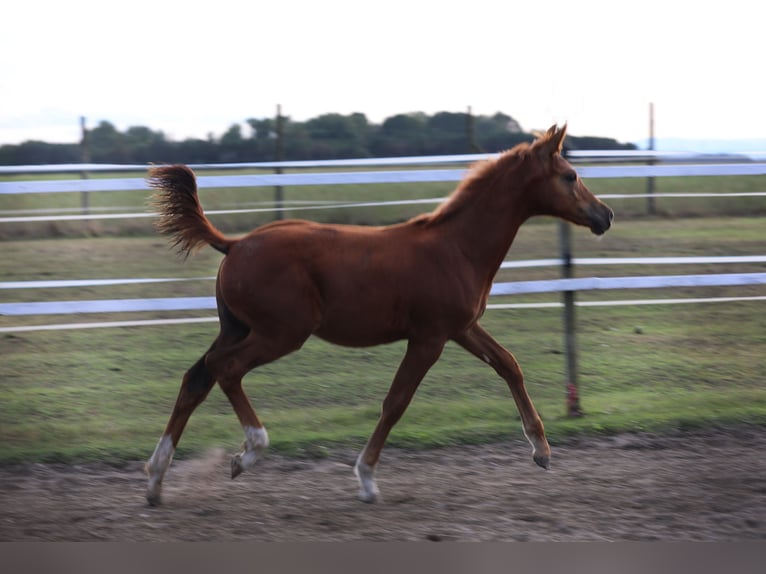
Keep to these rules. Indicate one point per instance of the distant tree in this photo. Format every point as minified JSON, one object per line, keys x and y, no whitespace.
{"x":262,"y":144}
{"x":144,"y":145}
{"x":233,"y":135}
{"x":326,"y":136}
{"x":195,"y":151}
{"x":600,"y":143}
{"x":447,"y":133}
{"x":298,"y":144}
{"x":38,"y":153}
{"x":263,"y":129}
{"x":330,"y":127}
{"x":404,"y":125}
{"x":339,"y":136}
{"x":401,"y":135}
{"x":232,"y":145}
{"x":106,"y":144}
{"x":499,"y":132}
{"x":361,"y":128}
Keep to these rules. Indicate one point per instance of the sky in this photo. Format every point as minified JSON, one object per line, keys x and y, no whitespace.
{"x":190,"y":69}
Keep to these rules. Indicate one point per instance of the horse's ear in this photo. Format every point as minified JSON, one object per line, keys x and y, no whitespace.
{"x":552,"y":142}
{"x":552,"y":131}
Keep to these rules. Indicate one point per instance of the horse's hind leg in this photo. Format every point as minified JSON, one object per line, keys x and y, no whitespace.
{"x":256,"y":437}
{"x":231,"y":364}
{"x":195,"y":386}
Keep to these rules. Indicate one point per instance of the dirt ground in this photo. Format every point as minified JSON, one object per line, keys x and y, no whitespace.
{"x":708,"y":485}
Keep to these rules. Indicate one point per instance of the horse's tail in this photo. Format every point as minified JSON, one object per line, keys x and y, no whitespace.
{"x":181,"y":214}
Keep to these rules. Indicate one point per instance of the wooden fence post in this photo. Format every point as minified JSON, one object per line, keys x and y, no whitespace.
{"x":470,"y":132}
{"x":650,"y":206}
{"x":85,"y":158}
{"x":280,"y":155}
{"x":570,"y":342}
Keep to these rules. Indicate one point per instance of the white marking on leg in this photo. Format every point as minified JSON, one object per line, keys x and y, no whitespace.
{"x":538,"y":445}
{"x":156,"y":467}
{"x":368,"y":488}
{"x":256,"y":442}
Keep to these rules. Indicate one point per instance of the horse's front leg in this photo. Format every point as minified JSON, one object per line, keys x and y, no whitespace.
{"x":420,"y":356}
{"x":480,"y":343}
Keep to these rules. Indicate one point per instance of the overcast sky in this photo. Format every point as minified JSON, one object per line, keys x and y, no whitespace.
{"x":194,"y":68}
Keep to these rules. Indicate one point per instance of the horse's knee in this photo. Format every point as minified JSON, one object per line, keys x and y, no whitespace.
{"x":510,"y":370}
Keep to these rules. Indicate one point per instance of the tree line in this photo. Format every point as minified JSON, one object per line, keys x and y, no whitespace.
{"x":328,"y":136}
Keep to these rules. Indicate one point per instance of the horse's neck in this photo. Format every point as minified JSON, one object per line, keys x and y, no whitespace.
{"x":484,"y":229}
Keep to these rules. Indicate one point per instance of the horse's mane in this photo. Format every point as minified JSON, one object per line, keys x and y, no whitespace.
{"x":481,"y":176}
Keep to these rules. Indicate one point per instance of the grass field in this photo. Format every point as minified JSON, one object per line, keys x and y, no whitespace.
{"x":106,"y":393}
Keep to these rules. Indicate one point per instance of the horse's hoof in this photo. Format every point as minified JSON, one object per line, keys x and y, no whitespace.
{"x":369,"y":497}
{"x":543,"y":461}
{"x":236,"y":466}
{"x":153,"y":498}
{"x":368,"y":490}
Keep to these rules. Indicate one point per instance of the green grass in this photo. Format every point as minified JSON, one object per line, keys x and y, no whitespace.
{"x":105,"y":394}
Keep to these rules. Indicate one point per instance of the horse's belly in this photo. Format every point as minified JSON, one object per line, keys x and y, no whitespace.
{"x":362,"y":326}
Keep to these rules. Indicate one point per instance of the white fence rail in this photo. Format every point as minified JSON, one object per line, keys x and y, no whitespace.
{"x":68,"y":283}
{"x":508,"y":288}
{"x":85,"y":186}
{"x":588,"y":156}
{"x":370,"y":177}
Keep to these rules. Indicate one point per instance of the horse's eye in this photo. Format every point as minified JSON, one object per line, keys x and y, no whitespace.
{"x":570,"y":177}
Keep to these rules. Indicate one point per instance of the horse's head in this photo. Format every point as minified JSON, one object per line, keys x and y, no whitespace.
{"x":557,"y":190}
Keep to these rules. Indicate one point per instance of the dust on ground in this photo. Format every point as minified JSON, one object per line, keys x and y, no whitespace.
{"x":703,"y":485}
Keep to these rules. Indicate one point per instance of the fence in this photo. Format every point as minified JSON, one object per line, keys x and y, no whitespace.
{"x":568,"y":286}
{"x":368,"y":177}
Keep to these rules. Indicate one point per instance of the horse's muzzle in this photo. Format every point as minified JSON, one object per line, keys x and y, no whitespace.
{"x":601,"y":217}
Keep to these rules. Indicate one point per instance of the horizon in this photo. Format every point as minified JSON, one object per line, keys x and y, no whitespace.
{"x":756,"y":145}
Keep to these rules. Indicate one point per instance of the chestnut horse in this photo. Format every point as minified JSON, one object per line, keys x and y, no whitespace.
{"x":426,"y":280}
